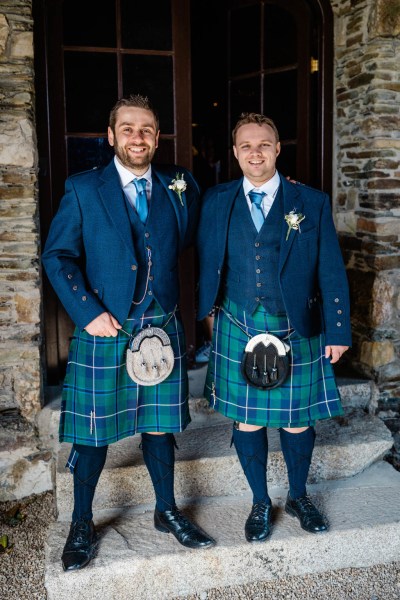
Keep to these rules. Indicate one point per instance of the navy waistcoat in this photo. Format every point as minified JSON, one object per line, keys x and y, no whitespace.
{"x":159,"y":230}
{"x":252,"y":259}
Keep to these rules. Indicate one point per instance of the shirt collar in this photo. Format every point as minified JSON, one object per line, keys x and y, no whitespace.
{"x":126,"y":176}
{"x":270,"y":187}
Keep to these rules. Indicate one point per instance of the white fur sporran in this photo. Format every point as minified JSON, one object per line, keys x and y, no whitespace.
{"x":149,"y":357}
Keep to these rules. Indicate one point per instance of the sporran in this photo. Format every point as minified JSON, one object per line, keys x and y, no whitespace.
{"x":149,"y":357}
{"x":265,"y":362}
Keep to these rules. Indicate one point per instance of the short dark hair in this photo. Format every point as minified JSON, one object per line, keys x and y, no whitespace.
{"x":134,"y":100}
{"x":246,"y":118}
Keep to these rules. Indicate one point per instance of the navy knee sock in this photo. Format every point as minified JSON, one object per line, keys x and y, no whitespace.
{"x":252,"y":450}
{"x":297,"y":451}
{"x":159,"y":456}
{"x":87,"y":471}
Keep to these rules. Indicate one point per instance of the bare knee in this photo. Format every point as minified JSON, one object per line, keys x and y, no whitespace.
{"x":246,"y":427}
{"x":295,"y":429}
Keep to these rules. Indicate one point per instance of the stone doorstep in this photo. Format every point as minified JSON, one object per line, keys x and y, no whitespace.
{"x":206,"y":464}
{"x":134,"y":561}
{"x":25,"y":468}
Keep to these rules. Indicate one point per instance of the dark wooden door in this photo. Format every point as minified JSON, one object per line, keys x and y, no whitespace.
{"x":278,"y":54}
{"x":269,"y":56}
{"x":88,"y":54}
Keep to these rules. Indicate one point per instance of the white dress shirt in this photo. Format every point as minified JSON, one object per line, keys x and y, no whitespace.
{"x":126,"y":178}
{"x":270,"y":188}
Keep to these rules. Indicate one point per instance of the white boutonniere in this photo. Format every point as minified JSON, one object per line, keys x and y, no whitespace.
{"x":293,"y":220}
{"x":178,"y":185}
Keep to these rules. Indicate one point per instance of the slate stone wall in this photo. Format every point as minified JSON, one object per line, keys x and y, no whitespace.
{"x":367,"y":180}
{"x":20,"y":278}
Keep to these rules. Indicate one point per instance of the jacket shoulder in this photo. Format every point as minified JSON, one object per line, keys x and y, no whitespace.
{"x":175,"y":171}
{"x":309,"y":192}
{"x":88,"y":177}
{"x":171,"y":170}
{"x":94,"y":172}
{"x":223,"y":187}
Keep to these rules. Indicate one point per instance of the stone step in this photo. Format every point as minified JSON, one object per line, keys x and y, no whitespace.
{"x":206,"y":464}
{"x":134,"y":561}
{"x":25,"y":467}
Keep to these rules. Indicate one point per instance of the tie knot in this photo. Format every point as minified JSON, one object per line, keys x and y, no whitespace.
{"x":140,"y":184}
{"x":256,"y":197}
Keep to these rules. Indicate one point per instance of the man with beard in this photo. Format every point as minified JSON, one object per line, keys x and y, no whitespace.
{"x":112,"y":258}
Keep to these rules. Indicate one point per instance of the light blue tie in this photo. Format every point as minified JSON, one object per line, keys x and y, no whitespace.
{"x":256,"y":211}
{"x":141,"y":198}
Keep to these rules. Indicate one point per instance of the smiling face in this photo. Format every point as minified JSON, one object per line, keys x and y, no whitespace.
{"x":135,"y":138}
{"x":256,"y":150}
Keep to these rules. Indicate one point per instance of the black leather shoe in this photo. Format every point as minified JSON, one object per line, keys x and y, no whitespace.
{"x":187,"y":534}
{"x":309,"y":516}
{"x":80,"y":546}
{"x":258,"y":524}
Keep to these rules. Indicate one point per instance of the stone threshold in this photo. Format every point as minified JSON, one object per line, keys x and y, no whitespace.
{"x":135,"y":561}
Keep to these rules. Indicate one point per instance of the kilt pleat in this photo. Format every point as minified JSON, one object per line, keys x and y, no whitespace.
{"x":101,"y":404}
{"x":308,"y":394}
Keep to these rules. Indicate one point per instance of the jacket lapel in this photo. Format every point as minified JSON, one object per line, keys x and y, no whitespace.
{"x":291,"y":201}
{"x":181,"y":212}
{"x":224,"y":206}
{"x":113,"y":200}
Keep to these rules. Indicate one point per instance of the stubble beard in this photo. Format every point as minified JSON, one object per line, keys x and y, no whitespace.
{"x":141,"y":161}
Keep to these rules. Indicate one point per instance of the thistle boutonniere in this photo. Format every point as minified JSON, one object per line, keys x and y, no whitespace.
{"x":178,"y":185}
{"x":293,"y":220}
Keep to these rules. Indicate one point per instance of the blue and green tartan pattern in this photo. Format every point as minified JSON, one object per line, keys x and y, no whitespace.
{"x":101,"y":404}
{"x":308,"y":394}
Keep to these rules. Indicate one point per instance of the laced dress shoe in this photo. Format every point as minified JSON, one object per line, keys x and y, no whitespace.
{"x":310,"y":518}
{"x":258,"y":524}
{"x":80,"y":546}
{"x":187,"y":534}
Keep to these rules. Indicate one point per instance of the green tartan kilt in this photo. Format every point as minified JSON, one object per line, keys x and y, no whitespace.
{"x":101,"y":404}
{"x":308,"y":394}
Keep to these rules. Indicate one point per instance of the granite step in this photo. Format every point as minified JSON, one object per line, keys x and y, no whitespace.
{"x":134,"y":561}
{"x":207,"y":465}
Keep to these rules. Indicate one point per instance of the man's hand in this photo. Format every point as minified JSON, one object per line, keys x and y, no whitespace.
{"x":335,"y":352}
{"x":105,"y":325}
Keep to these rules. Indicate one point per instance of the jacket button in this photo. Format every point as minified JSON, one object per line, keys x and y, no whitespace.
{"x":339,"y":324}
{"x":150,"y":293}
{"x":258,"y":257}
{"x":257,"y":244}
{"x":336,"y":300}
{"x":96,"y":291}
{"x":339,"y":312}
{"x":134,"y":267}
{"x":257,"y":299}
{"x":258,"y":270}
{"x":258,"y":284}
{"x":84,"y":298}
{"x":219,"y":272}
{"x":69,"y":276}
{"x":147,"y":235}
{"x":74,"y":287}
{"x":151,"y":278}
